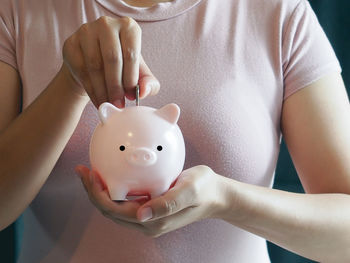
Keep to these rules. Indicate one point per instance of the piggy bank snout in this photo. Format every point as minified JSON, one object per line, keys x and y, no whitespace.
{"x":142,"y":157}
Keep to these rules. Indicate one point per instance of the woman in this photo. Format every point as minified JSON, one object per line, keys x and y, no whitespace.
{"x":243,"y":73}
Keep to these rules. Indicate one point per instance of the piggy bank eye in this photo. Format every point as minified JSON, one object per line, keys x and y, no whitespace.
{"x":122,"y":148}
{"x":159,"y":148}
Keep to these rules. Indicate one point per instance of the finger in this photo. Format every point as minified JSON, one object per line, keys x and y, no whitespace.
{"x":86,"y":179}
{"x":82,"y":172}
{"x":149,"y":85}
{"x":94,"y":63}
{"x":100,"y":198}
{"x":179,"y":197}
{"x":164,"y":225}
{"x":74,"y":59}
{"x":130,"y":39}
{"x":113,"y":65}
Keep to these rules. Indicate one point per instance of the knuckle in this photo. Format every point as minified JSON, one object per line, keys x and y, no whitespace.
{"x":170,"y":206}
{"x":94,"y":64}
{"x":113,"y":56}
{"x":130,"y":24}
{"x":130,"y":55}
{"x":194,"y":190}
{"x":84,"y":29}
{"x":127,"y":21}
{"x":105,"y":22}
{"x":204,"y":168}
{"x":135,"y":27}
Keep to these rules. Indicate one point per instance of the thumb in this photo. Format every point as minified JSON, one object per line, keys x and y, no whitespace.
{"x":149,"y":84}
{"x":176,"y":199}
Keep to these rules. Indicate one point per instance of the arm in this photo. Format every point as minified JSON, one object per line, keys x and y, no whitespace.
{"x":316,"y":127}
{"x":97,"y":64}
{"x":31,"y":143}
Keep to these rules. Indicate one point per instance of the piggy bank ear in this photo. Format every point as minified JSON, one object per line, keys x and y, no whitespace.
{"x":106,"y":110}
{"x":170,"y":112}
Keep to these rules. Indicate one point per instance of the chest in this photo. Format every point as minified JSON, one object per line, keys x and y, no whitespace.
{"x":228,"y":88}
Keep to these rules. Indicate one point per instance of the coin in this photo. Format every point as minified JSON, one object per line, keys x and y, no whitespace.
{"x":137,"y":95}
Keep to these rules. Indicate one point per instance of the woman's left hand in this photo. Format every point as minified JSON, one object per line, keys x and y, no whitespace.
{"x":198,"y":193}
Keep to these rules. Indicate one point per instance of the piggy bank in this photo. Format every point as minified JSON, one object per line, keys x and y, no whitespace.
{"x":137,"y":150}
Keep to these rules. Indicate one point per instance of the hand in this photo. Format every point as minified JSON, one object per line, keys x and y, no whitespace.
{"x":104,"y":60}
{"x":123,"y":213}
{"x":198,"y":193}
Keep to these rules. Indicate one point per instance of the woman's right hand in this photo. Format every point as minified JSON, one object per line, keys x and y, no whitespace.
{"x":104,"y":59}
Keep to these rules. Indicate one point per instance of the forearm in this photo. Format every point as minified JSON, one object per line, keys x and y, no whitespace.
{"x":316,"y":226}
{"x":32,"y":144}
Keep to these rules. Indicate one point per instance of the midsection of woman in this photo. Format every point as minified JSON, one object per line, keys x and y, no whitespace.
{"x":223,"y":63}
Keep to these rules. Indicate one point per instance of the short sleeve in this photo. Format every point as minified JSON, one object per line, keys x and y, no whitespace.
{"x":7,"y":34}
{"x":306,"y":51}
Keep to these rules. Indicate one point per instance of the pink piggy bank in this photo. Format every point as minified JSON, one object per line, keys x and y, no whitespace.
{"x":138,"y":150}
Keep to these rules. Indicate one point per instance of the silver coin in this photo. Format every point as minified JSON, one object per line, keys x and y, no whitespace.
{"x":137,"y":95}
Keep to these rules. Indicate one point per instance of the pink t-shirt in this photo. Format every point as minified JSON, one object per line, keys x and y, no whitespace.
{"x":228,"y":64}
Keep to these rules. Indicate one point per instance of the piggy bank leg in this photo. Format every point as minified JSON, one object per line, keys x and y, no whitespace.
{"x":118,"y":193}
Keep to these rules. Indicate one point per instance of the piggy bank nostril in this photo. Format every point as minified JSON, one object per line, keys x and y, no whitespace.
{"x":142,"y":157}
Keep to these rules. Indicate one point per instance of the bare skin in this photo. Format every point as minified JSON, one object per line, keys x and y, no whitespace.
{"x":315,"y":225}
{"x":108,"y":72}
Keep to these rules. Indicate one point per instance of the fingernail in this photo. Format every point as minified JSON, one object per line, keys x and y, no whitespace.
{"x":146,"y":214}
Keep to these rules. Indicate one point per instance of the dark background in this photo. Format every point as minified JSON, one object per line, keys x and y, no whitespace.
{"x":334,"y":18}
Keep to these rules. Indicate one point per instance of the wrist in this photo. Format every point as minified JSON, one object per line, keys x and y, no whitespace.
{"x":71,"y":86}
{"x":233,"y":207}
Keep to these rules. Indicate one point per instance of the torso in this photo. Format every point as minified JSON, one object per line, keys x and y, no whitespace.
{"x":230,"y":112}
